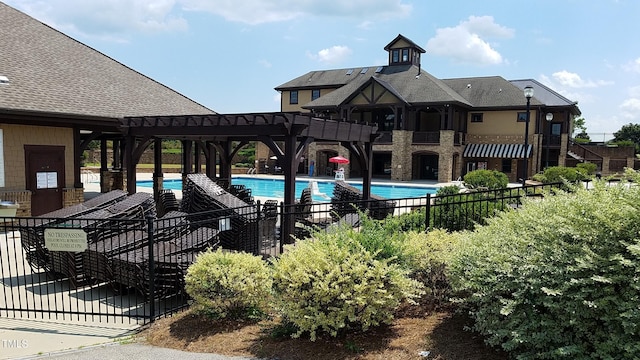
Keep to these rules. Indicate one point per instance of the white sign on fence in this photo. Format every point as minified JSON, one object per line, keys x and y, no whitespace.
{"x":65,"y":239}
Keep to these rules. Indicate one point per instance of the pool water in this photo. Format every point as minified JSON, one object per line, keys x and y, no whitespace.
{"x":275,"y":188}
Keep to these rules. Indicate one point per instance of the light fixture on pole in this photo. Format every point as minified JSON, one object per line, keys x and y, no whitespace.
{"x":549,"y":119}
{"x":528,"y":93}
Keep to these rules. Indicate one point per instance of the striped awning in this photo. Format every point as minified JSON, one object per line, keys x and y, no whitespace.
{"x":505,"y":151}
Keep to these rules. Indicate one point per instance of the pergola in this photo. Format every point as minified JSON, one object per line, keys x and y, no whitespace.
{"x":221,"y":135}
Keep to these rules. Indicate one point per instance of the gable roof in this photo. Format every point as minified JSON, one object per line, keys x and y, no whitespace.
{"x":49,"y":72}
{"x":402,"y":37}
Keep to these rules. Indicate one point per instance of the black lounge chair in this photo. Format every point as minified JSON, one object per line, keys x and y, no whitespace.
{"x":345,"y":195}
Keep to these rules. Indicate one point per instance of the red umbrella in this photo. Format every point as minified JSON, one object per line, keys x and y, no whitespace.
{"x":339,"y":160}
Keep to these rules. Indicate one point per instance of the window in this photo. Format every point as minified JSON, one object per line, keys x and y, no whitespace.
{"x":522,"y":117}
{"x":506,"y":166}
{"x":395,"y":56}
{"x":293,"y":97}
{"x":315,"y":94}
{"x":405,"y":55}
{"x":556,"y":129}
{"x":476,"y":117}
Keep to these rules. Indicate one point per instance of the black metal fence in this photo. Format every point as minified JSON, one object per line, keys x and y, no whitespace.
{"x":94,"y":263}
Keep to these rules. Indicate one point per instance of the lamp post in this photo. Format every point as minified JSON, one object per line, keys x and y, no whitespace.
{"x":528,"y":93}
{"x":549,"y":118}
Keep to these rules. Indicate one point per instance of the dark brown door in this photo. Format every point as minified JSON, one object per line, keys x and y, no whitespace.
{"x":45,"y":177}
{"x":521,"y":173}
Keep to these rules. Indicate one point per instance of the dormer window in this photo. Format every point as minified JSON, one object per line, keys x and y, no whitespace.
{"x":401,"y":56}
{"x":395,"y":56}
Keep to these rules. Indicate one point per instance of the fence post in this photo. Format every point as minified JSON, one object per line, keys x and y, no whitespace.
{"x":282,"y":215}
{"x":152,"y":270}
{"x":259,"y":230}
{"x":427,"y":213}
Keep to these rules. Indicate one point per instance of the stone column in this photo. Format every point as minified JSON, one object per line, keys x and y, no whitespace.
{"x":401,"y":159}
{"x":605,"y":165}
{"x":564,"y":145}
{"x":445,"y":158}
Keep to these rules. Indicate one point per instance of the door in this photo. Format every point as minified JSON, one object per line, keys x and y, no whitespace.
{"x":44,"y":177}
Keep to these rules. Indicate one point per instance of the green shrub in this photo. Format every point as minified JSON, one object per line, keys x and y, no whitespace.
{"x":334,"y":284}
{"x":539,"y":177}
{"x":587,"y":168}
{"x":555,"y":174}
{"x":490,"y":179}
{"x":448,"y":190}
{"x":229,"y":284}
{"x":557,"y":279}
{"x":464,"y":211}
{"x":410,"y":221}
{"x":427,"y":257}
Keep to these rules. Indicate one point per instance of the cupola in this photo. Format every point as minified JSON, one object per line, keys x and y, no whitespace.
{"x":403,"y":51}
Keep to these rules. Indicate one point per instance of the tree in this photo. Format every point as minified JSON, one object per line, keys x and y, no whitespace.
{"x":580,"y":128}
{"x":629,"y":132}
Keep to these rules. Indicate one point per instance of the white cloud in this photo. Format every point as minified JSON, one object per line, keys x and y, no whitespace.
{"x":468,"y":42}
{"x":634,"y":91}
{"x":114,"y":19}
{"x":265,"y":63}
{"x":265,"y":11}
{"x":332,"y":55}
{"x":633,"y":66}
{"x":631,"y":107}
{"x":108,"y":19}
{"x":574,"y":80}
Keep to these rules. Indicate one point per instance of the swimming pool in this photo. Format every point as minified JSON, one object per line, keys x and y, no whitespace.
{"x":274,"y":188}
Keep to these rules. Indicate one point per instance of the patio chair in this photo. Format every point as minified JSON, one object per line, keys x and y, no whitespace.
{"x":315,"y":190}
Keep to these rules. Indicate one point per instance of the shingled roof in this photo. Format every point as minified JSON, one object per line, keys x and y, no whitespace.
{"x":491,"y":91}
{"x":407,"y":82}
{"x":546,"y":95}
{"x":49,"y":72}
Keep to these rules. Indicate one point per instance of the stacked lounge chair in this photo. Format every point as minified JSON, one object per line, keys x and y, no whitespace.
{"x":171,"y":258}
{"x":32,"y":229}
{"x":115,"y":219}
{"x":238,"y":221}
{"x":344,"y":195}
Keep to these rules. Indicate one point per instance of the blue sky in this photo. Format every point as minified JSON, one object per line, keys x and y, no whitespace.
{"x":229,"y":54}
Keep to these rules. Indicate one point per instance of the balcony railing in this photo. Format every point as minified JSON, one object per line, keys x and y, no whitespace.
{"x":458,"y":138}
{"x":426,"y":137}
{"x":554,"y":140}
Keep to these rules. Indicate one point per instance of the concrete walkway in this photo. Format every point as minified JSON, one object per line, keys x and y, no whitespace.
{"x":21,"y":338}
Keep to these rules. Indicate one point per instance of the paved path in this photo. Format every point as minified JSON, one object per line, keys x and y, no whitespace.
{"x":58,"y":339}
{"x":134,"y":351}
